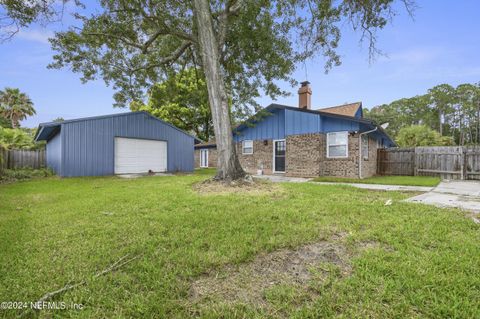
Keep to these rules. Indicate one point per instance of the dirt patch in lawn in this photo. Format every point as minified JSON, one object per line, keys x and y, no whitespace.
{"x":371,"y":245}
{"x":247,"y":283}
{"x":250,"y":187}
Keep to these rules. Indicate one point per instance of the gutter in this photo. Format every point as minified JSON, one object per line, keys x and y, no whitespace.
{"x":360,"y":147}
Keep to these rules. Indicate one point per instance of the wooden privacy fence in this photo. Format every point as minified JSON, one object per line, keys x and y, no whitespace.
{"x":447,"y":162}
{"x":396,"y":161}
{"x":3,"y":159}
{"x":13,"y":159}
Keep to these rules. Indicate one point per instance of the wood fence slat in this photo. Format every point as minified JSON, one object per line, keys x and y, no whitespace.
{"x":448,"y":162}
{"x":15,"y":159}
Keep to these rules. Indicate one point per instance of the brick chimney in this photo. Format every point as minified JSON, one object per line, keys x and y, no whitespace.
{"x":305,"y":96}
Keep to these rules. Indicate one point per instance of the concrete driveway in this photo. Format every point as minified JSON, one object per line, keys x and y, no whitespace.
{"x":458,"y":194}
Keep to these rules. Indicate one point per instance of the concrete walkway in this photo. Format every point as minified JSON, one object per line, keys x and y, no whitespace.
{"x":458,"y":194}
{"x":282,"y":179}
{"x":128,"y":176}
{"x":381,"y":187}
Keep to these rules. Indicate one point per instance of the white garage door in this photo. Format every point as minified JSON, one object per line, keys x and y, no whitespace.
{"x":139,"y":156}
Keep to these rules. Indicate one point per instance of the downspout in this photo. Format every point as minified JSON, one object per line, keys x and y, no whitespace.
{"x":360,"y":146}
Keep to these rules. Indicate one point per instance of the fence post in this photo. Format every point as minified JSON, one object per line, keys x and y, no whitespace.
{"x":462,"y":163}
{"x":414,"y":161}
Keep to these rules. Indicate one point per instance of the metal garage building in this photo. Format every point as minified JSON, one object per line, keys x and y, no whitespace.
{"x":126,"y":143}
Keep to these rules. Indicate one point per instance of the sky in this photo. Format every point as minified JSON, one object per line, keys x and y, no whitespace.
{"x":439,"y":45}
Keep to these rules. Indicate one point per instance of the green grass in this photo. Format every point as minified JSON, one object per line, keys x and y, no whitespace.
{"x":386,"y":180}
{"x":58,"y":231}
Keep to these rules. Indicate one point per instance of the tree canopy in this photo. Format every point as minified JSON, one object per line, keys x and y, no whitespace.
{"x":182,"y":100}
{"x":452,"y":112}
{"x":15,"y":106}
{"x":19,"y":138}
{"x":243,"y":47}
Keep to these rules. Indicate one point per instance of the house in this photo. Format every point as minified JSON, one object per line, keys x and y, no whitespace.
{"x":125,"y":143}
{"x":299,"y":141}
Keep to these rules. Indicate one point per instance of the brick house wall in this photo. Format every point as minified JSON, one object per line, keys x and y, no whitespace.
{"x":212,"y":157}
{"x":261,"y":158}
{"x":369,"y":167}
{"x":303,"y":155}
{"x":306,"y":156}
{"x":340,"y":167}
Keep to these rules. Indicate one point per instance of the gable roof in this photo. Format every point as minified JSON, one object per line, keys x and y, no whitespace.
{"x":319,"y":111}
{"x":47,"y":130}
{"x":349,"y":109}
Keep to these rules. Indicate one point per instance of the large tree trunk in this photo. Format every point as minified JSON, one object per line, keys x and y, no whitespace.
{"x":228,"y":166}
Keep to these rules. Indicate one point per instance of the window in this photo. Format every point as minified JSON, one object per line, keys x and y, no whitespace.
{"x":247,"y":147}
{"x":337,"y":144}
{"x":365,"y":147}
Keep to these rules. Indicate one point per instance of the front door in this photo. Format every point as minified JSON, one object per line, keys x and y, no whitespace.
{"x":203,"y":158}
{"x":279,"y":148}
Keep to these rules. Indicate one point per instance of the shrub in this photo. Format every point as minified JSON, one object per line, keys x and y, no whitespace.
{"x":421,"y":135}
{"x":13,"y":175}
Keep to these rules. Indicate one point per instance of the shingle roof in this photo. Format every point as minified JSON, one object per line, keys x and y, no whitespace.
{"x":210,"y":143}
{"x":349,"y":109}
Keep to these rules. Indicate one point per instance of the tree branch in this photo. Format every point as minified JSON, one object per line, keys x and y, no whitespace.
{"x":143,"y":46}
{"x":232,"y":7}
{"x":168,"y":59}
{"x":116,"y":265}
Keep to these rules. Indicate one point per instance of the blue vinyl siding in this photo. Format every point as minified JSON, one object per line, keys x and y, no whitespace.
{"x":301,"y":122}
{"x":88,"y":145}
{"x":331,"y":124}
{"x":270,"y":127}
{"x":285,"y":122}
{"x":54,"y":153}
{"x":359,"y":113}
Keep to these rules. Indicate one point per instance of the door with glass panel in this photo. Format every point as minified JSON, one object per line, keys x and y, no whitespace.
{"x":279,"y":149}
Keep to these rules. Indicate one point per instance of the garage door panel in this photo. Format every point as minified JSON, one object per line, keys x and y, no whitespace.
{"x":139,"y":155}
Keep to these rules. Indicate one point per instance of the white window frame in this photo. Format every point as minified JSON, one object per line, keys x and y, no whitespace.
{"x":243,"y":147}
{"x":365,"y":154}
{"x":328,"y":145}
{"x":201,"y":156}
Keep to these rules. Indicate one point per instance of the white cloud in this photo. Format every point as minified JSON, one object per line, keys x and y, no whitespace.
{"x":36,"y":35}
{"x":415,"y":55}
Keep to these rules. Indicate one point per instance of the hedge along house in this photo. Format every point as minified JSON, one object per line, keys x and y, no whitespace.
{"x":125,"y":143}
{"x":299,"y":141}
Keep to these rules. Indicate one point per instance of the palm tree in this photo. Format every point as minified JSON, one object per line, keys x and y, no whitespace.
{"x":15,"y":106}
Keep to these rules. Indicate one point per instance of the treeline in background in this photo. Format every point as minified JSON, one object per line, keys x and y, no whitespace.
{"x":445,"y":115}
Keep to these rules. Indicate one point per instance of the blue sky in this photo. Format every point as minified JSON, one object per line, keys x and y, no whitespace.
{"x":440,"y":45}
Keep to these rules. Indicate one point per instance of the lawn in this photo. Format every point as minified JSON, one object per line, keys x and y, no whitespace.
{"x":386,"y":180}
{"x":401,"y":260}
